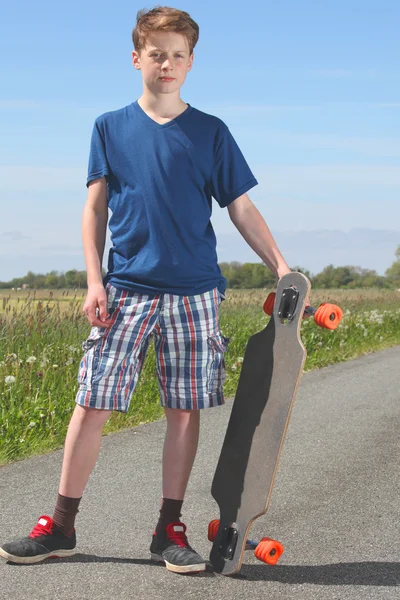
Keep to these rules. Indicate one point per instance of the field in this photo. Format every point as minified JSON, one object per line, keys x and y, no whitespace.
{"x":41,"y":334}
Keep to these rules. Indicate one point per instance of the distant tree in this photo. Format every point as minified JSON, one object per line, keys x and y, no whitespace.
{"x":30,"y":278}
{"x":81,"y":279}
{"x":304,"y":271}
{"x":393,"y":272}
{"x":70,"y":278}
{"x":61,"y":281}
{"x":51,"y":280}
{"x":348,"y":277}
{"x":40,"y":282}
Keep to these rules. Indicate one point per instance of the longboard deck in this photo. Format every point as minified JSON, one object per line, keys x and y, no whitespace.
{"x":245,"y":474}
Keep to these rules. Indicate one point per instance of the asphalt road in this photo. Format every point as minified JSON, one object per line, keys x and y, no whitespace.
{"x":335,"y":506}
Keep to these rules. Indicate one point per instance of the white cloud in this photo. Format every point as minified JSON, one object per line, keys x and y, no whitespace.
{"x":21,"y":178}
{"x":384,"y":104}
{"x":323,"y":196}
{"x":380,"y":147}
{"x":16,"y":236}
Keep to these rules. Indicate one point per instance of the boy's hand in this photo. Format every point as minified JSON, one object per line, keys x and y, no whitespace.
{"x":95,"y":307}
{"x":284,"y":270}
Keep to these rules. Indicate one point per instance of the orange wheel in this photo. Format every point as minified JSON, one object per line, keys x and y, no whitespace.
{"x":269,"y":551}
{"x":213,"y":529}
{"x":328,"y":315}
{"x":269,"y":304}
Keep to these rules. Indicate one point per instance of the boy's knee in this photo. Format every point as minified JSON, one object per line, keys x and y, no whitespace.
{"x":92,"y":415}
{"x":180,"y":415}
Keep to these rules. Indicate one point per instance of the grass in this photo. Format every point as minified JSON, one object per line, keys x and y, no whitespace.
{"x":40,"y":350}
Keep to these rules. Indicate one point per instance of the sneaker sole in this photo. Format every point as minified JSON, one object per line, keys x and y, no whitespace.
{"x":179,"y":568}
{"x":27,"y":560}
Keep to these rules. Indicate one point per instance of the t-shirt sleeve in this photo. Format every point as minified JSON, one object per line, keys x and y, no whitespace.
{"x":231,"y":176}
{"x":98,"y":165}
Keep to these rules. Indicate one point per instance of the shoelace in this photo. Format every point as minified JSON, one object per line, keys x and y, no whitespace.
{"x":179,"y":538}
{"x":40,"y":529}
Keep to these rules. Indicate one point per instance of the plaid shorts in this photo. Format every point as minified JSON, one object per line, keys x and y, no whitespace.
{"x":188,"y":343}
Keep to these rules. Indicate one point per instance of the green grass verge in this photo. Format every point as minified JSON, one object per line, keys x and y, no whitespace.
{"x":40,"y":351}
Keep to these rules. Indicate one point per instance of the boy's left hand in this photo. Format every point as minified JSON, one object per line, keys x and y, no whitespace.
{"x":284,"y":271}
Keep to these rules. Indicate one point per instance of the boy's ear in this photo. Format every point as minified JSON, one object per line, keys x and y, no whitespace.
{"x":191,"y":59}
{"x":136,"y":60}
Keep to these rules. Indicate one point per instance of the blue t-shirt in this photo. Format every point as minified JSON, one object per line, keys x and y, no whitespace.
{"x":160,"y":184}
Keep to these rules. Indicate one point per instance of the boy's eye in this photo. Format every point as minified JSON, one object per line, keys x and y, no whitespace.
{"x":158,"y":55}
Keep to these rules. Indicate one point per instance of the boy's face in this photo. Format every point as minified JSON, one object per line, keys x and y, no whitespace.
{"x":164,"y":62}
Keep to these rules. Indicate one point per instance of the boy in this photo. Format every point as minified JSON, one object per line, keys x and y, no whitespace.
{"x":156,"y":164}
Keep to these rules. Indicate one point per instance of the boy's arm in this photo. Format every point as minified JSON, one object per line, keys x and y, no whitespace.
{"x":251,"y":225}
{"x":94,"y":227}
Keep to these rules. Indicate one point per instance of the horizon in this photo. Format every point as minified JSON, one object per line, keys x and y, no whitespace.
{"x":252,"y":258}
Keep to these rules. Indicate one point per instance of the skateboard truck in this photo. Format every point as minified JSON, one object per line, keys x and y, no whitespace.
{"x":229,"y":537}
{"x":267,"y":550}
{"x":287,"y":306}
{"x":326,"y":315}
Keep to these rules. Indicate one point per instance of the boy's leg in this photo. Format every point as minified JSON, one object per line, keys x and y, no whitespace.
{"x":180,"y":447}
{"x":82,"y":446}
{"x":56,"y":536}
{"x":112,"y":362}
{"x":190,"y":366}
{"x":169,"y":540}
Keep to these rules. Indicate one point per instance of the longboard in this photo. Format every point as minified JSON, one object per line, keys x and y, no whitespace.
{"x":245,"y":474}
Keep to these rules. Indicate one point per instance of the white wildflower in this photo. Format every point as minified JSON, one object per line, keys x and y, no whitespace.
{"x":10,"y":379}
{"x":31,"y":359}
{"x":73,"y":349}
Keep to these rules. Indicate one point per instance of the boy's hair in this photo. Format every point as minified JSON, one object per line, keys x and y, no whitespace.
{"x":164,"y":18}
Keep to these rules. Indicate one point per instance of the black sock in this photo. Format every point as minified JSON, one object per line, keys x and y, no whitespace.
{"x":170,"y":512}
{"x":65,"y":513}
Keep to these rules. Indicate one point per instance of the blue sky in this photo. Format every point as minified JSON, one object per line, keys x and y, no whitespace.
{"x":310,"y":91}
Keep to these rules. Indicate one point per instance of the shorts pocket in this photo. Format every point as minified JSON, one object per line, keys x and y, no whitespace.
{"x":216,"y":375}
{"x":91,"y":347}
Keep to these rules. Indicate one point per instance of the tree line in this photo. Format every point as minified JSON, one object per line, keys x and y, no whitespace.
{"x":238,"y":275}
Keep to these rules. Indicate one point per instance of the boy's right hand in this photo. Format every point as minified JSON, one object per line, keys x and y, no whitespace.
{"x":95,"y":307}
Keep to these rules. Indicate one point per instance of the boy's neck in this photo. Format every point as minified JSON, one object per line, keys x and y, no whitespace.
{"x":164,"y":107}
